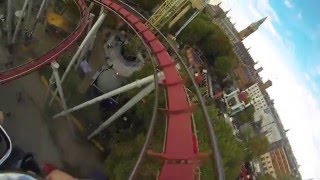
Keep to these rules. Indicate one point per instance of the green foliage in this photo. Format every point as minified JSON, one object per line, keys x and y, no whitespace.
{"x":258,"y":145}
{"x":232,"y":151}
{"x":148,"y":5}
{"x":133,"y":47}
{"x":245,"y":116}
{"x":248,"y":132}
{"x":265,"y":177}
{"x":124,"y":150}
{"x":201,"y":32}
{"x":145,"y":71}
{"x":223,"y":65}
{"x":122,"y":157}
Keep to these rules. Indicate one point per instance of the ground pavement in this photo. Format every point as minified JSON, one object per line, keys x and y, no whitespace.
{"x":32,"y":129}
{"x":50,"y":139}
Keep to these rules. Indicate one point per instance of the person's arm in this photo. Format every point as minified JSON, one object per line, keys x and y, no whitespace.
{"x":59,"y":175}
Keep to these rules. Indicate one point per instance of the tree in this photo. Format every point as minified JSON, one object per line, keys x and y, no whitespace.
{"x":148,"y":5}
{"x":210,"y":38}
{"x":132,"y":47}
{"x":245,"y":116}
{"x":265,"y":177}
{"x":224,"y":65}
{"x":258,"y":145}
{"x":232,"y":151}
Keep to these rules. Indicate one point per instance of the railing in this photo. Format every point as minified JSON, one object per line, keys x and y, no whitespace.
{"x":213,"y":140}
{"x":155,"y":106}
{"x":52,"y":54}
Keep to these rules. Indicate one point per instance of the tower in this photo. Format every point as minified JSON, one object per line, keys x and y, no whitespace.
{"x":250,"y":29}
{"x":259,"y":70}
{"x":266,"y":85}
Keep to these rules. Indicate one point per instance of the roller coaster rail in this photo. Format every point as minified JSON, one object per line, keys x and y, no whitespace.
{"x":216,"y":156}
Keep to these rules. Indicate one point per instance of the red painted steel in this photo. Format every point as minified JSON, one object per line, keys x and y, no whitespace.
{"x":179,"y":145}
{"x":53,"y":54}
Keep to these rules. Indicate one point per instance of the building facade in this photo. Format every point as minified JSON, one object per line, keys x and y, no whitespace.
{"x":267,"y":165}
{"x":257,"y":99}
{"x":245,"y":72}
{"x":277,"y":163}
{"x":263,"y":114}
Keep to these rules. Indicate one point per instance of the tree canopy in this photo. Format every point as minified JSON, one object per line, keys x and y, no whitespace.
{"x":232,"y":151}
{"x":245,"y":116}
{"x":203,"y":33}
{"x":148,"y":5}
{"x":258,"y":145}
{"x":224,"y":64}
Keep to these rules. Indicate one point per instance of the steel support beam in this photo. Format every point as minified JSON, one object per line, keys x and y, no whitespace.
{"x":194,"y":15}
{"x":9,"y":20}
{"x":147,"y":90}
{"x":80,"y":48}
{"x":55,"y":67}
{"x":19,"y":21}
{"x":39,"y":15}
{"x":128,"y":87}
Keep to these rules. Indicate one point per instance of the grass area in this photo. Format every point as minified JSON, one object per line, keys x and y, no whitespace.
{"x":206,"y":169}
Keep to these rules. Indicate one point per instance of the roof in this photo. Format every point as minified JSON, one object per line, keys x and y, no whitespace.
{"x":57,"y":21}
{"x":108,"y":80}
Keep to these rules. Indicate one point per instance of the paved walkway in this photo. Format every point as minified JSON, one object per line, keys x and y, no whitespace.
{"x":32,"y":129}
{"x":122,"y":66}
{"x":50,"y":140}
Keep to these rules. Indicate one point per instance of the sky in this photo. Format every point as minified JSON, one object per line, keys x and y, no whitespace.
{"x":287,"y":46}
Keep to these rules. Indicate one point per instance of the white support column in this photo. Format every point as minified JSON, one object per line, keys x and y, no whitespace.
{"x":28,"y":16}
{"x":55,"y":67}
{"x":9,"y":20}
{"x":19,"y":21}
{"x":147,"y":90}
{"x":50,"y":85}
{"x":85,"y":48}
{"x":128,"y":87}
{"x":80,"y":48}
{"x":194,"y":15}
{"x":91,"y":16}
{"x":39,"y":15}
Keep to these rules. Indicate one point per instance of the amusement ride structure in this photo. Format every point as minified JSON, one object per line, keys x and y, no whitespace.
{"x":180,"y":159}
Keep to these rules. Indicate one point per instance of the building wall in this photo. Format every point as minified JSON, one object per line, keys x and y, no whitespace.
{"x":280,"y":161}
{"x":257,"y":98}
{"x":267,"y":166}
{"x":269,"y":127}
{"x":263,"y":114}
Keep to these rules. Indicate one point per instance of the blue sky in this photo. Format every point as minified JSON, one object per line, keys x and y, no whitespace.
{"x":287,"y":46}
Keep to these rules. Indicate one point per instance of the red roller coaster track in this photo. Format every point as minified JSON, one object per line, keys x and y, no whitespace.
{"x":54,"y":53}
{"x":179,"y":153}
{"x":179,"y":145}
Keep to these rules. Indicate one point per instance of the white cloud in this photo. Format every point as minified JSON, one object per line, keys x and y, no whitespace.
{"x":288,"y":4}
{"x":256,"y":10}
{"x":307,"y":77}
{"x":296,"y":104}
